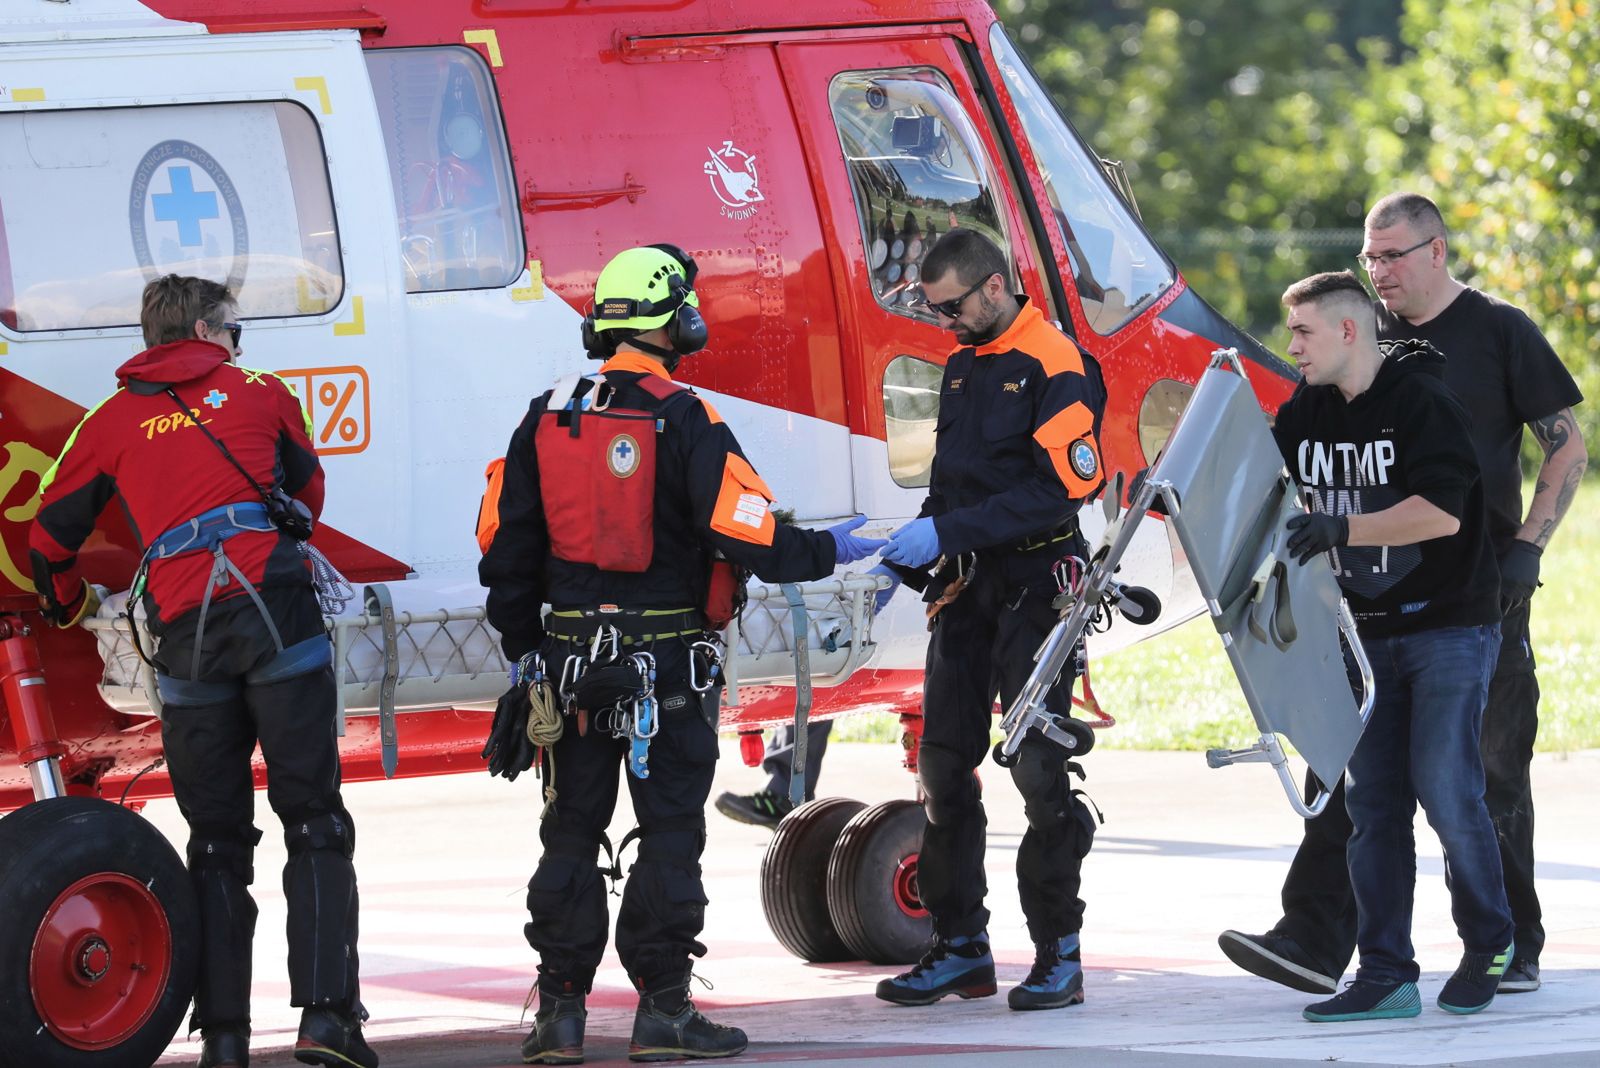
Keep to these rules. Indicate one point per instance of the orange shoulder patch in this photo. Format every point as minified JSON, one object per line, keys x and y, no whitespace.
{"x":744,"y":504}
{"x":1068,"y":438}
{"x":489,"y":507}
{"x":1055,"y":351}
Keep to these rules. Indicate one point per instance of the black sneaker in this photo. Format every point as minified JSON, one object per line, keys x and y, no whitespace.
{"x":557,"y":1035}
{"x":224,"y":1047}
{"x":1279,"y":958}
{"x":332,"y":1039}
{"x":1362,"y":1000}
{"x":668,"y":1027}
{"x":1473,"y":985}
{"x":762,"y":808}
{"x":1521,"y":978}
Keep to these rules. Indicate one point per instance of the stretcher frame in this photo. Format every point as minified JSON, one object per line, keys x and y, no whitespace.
{"x":1226,"y":496}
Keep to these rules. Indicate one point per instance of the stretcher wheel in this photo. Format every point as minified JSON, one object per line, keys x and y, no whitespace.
{"x":794,"y":879}
{"x":873,"y":894}
{"x":100,"y":945}
{"x":1000,"y":756}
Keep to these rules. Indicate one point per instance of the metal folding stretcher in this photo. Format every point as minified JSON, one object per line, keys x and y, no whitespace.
{"x":1222,"y":485}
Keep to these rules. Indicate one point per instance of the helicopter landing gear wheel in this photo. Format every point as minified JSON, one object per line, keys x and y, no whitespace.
{"x":873,"y":894}
{"x":100,"y":946}
{"x":794,"y":879}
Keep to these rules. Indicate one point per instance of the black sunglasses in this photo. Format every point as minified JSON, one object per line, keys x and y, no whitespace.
{"x":951,"y":309}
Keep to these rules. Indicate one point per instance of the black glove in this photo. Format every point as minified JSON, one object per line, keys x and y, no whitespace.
{"x":1519,"y":574}
{"x":508,"y":750}
{"x":1316,"y":533}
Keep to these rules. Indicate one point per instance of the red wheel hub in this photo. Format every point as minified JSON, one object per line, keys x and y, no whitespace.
{"x":906,"y":894}
{"x":100,"y":962}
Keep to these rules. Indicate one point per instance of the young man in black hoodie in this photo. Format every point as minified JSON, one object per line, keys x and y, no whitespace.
{"x":1382,"y":449}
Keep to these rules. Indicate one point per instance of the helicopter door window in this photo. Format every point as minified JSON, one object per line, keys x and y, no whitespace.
{"x":918,"y":169}
{"x":96,"y":203}
{"x":910,"y":416}
{"x":460,"y":227}
{"x":1117,"y":269}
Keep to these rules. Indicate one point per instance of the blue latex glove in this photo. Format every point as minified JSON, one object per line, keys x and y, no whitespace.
{"x":913,"y":545}
{"x":847,"y":547}
{"x":881,"y":598}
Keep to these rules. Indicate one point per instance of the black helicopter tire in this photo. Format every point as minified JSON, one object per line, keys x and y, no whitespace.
{"x":100,"y":942}
{"x":794,"y":879}
{"x":873,"y":895}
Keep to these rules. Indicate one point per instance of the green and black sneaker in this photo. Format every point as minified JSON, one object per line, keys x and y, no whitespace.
{"x":1363,"y":1000}
{"x":764,"y":808}
{"x":1475,"y":982}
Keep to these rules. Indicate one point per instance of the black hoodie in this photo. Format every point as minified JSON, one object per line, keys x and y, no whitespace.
{"x":1405,"y":436}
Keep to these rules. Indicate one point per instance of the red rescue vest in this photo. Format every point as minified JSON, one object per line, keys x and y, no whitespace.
{"x":597,"y":478}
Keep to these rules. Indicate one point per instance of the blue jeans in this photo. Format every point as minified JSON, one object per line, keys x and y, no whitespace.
{"x":1421,"y":744}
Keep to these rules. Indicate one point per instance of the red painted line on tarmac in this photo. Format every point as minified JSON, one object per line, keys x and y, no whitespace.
{"x":827,"y":1051}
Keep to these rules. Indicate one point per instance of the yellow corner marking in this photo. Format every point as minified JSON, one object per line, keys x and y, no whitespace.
{"x":2,"y":348}
{"x":489,"y":39}
{"x":28,"y":96}
{"x":357,"y":324}
{"x":318,"y":86}
{"x":534,"y":290}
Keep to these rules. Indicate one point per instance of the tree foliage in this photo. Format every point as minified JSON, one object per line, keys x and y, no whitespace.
{"x":1256,"y":132}
{"x":1494,"y":117}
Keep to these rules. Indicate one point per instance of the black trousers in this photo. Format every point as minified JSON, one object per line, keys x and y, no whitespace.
{"x":1318,"y":907}
{"x":663,"y":901}
{"x":982,"y":647}
{"x":248,"y":693}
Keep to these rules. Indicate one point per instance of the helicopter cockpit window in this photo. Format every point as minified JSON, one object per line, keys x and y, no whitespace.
{"x":1117,"y":268}
{"x":917,"y":168}
{"x":96,"y":203}
{"x":460,"y":227}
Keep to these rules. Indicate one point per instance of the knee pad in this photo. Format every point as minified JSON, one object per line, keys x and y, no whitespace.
{"x":226,"y":849}
{"x":1040,"y":773}
{"x":949,"y":785}
{"x":324,"y":832}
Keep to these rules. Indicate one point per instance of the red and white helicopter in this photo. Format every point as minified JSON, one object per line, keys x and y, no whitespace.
{"x":413,"y":200}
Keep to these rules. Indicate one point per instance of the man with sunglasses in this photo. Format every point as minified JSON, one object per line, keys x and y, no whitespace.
{"x":242,"y":655}
{"x":1508,"y":377}
{"x":1017,"y":452}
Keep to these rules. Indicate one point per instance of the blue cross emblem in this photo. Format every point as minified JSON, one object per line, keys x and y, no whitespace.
{"x":215,"y":398}
{"x":623,"y":455}
{"x":185,"y":206}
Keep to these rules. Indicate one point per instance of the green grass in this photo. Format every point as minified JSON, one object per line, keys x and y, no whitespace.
{"x":1177,"y":691}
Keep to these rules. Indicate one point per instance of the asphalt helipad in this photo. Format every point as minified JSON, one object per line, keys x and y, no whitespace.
{"x":1185,"y":852}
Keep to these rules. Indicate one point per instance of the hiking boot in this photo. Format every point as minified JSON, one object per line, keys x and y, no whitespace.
{"x":1279,"y":958}
{"x":1056,"y":979}
{"x":962,"y":966}
{"x":224,"y":1047}
{"x":1521,"y":977}
{"x":668,"y":1027}
{"x":332,"y":1039}
{"x":1363,"y":1000}
{"x":1473,"y":985}
{"x":557,"y":1035}
{"x":762,"y":808}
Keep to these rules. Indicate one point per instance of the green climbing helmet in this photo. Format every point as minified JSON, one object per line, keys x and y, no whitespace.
{"x":643,"y":288}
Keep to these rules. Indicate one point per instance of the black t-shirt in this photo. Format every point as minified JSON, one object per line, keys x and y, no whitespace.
{"x":1506,"y":376}
{"x":1405,"y":436}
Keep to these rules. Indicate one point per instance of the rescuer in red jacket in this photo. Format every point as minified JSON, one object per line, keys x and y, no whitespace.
{"x":618,"y":491}
{"x":194,"y":445}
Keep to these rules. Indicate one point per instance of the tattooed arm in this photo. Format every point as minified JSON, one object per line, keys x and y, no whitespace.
{"x":1565,"y":459}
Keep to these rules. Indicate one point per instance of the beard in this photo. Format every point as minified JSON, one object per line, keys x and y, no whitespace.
{"x":985,"y":329}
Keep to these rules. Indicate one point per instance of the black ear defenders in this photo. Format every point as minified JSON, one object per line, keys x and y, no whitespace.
{"x":687,"y":332}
